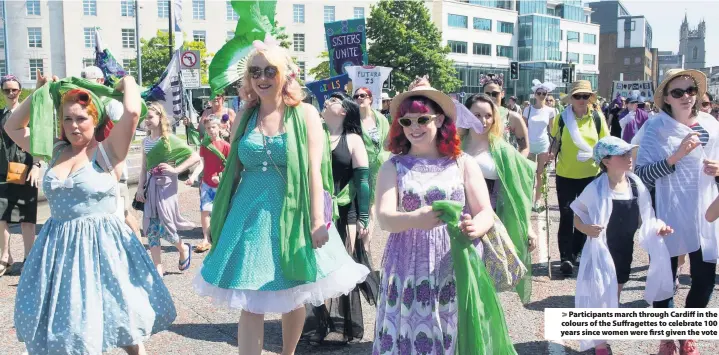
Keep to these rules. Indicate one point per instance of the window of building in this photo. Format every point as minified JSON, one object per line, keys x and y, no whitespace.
{"x":86,"y":62}
{"x":627,"y":61}
{"x":231,"y":14}
{"x":329,"y":14}
{"x":34,"y":37}
{"x":129,"y":66}
{"x":301,"y":67}
{"x":298,"y":42}
{"x":35,"y":65}
{"x":695,"y":53}
{"x":482,"y":24}
{"x":505,"y":27}
{"x":561,"y":35}
{"x":637,"y":60}
{"x":89,"y":33}
{"x":589,"y":59}
{"x":89,"y":7}
{"x":629,"y":25}
{"x":198,"y":9}
{"x":359,"y":12}
{"x":230,"y":35}
{"x":456,"y":21}
{"x":505,"y":51}
{"x":128,"y":38}
{"x":127,"y":8}
{"x":2,"y":38}
{"x":2,"y":67}
{"x":550,"y":11}
{"x":572,"y":36}
{"x":199,"y":36}
{"x":590,"y":38}
{"x":457,"y":47}
{"x":482,"y":49}
{"x":573,"y":57}
{"x":33,"y":8}
{"x":298,"y":13}
{"x":163,"y":9}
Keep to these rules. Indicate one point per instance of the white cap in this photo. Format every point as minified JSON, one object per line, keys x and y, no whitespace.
{"x":385,"y":96}
{"x":92,"y":72}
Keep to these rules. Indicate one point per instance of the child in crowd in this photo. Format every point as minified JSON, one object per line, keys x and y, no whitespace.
{"x":164,"y":156}
{"x":609,"y":211}
{"x":213,"y":152}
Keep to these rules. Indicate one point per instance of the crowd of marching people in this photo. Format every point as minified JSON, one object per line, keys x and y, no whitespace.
{"x":290,"y":197}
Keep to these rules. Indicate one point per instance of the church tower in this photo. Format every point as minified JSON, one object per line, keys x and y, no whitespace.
{"x":692,"y":44}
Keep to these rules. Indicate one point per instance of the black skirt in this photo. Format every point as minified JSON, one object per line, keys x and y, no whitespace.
{"x":18,"y":203}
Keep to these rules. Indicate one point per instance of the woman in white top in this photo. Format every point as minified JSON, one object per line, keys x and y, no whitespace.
{"x":539,"y":117}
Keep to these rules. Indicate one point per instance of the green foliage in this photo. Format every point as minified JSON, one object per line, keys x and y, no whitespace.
{"x":156,"y":57}
{"x":322,"y":70}
{"x":278,"y":32}
{"x":24,"y":93}
{"x":403,"y":36}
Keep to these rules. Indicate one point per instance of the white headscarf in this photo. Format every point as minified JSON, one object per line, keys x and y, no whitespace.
{"x":548,"y":86}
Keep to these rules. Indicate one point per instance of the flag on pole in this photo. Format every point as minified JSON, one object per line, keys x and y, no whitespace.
{"x":177,"y":14}
{"x":111,"y":68}
{"x":168,"y":90}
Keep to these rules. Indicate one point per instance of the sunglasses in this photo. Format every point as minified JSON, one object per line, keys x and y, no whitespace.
{"x":493,"y":93}
{"x":581,"y":96}
{"x":706,"y":104}
{"x":421,"y":120}
{"x":270,"y":72}
{"x":10,"y":91}
{"x":360,"y":96}
{"x":679,"y":93}
{"x":540,"y":94}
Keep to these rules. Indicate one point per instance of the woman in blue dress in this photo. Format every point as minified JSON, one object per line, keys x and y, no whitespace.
{"x":88,"y":284}
{"x":274,"y":249}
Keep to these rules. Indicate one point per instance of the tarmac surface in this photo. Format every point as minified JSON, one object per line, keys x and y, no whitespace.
{"x":201,"y":328}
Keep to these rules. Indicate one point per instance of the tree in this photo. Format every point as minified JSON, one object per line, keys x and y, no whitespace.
{"x":404,"y":37}
{"x":322,"y":70}
{"x":156,"y":57}
{"x":278,"y":32}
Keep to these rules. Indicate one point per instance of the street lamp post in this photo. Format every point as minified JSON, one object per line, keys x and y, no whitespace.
{"x":137,"y":43}
{"x":170,"y":29}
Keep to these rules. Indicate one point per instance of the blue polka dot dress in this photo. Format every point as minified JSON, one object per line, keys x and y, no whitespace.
{"x":88,"y":284}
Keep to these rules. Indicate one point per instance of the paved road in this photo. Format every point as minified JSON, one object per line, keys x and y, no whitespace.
{"x":201,"y":328}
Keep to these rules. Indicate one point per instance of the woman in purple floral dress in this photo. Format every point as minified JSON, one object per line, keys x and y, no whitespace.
{"x":417,"y":306}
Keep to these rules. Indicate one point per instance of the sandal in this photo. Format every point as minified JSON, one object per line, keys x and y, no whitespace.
{"x":203,"y":247}
{"x":5,"y":265}
{"x":185,"y":264}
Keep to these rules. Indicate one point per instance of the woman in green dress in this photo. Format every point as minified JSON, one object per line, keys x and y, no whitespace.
{"x":274,"y":246}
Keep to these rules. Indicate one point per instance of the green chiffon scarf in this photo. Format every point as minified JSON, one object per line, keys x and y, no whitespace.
{"x":168,"y":149}
{"x":45,"y":104}
{"x":514,"y":206}
{"x":207,"y":143}
{"x":297,"y":258}
{"x":376,"y":152}
{"x":481,"y":327}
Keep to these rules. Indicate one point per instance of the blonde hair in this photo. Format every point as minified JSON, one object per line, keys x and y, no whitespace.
{"x":495,"y":131}
{"x":164,"y":122}
{"x":292,"y":93}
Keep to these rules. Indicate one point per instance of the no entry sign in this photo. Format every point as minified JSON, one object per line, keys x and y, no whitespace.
{"x":190,"y":59}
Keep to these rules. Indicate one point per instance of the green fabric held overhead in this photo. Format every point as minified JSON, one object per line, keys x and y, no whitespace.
{"x":207,"y":143}
{"x":193,"y":135}
{"x":256,"y":20}
{"x":168,"y":149}
{"x":45,"y":103}
{"x":514,"y":206}
{"x":481,"y":327}
{"x":297,"y":258}
{"x":376,"y":153}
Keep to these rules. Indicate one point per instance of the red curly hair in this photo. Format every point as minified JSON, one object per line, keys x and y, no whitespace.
{"x":77,"y":96}
{"x":448,"y":143}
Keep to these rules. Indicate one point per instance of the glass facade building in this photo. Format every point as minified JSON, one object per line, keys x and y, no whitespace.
{"x":527,"y":7}
{"x":538,"y":38}
{"x":570,"y":12}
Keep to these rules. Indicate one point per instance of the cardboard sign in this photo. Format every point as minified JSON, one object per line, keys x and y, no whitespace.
{"x":625,"y":88}
{"x":346,"y":44}
{"x":322,"y":89}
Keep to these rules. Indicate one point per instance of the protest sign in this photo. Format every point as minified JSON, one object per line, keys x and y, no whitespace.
{"x":346,"y":44}
{"x":322,"y":89}
{"x":370,"y":77}
{"x":625,"y":88}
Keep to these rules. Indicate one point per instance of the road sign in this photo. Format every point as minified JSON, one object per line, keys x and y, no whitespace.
{"x":190,"y":59}
{"x":190,"y":78}
{"x":462,"y":94}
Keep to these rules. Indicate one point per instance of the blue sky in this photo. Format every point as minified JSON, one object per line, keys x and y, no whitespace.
{"x":665,"y":17}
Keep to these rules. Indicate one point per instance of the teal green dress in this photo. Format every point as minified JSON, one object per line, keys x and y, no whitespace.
{"x":244,"y":271}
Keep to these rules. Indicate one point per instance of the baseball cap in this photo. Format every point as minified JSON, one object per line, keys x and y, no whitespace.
{"x":609,"y":146}
{"x":92,"y":72}
{"x":514,"y":98}
{"x":385,"y":96}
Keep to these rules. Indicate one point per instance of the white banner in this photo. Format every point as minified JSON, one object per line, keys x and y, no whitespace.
{"x":631,"y":324}
{"x":625,"y":88}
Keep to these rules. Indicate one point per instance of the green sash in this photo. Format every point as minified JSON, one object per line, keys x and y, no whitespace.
{"x":207,"y":143}
{"x":376,"y":153}
{"x":481,"y":327}
{"x":514,"y":206}
{"x":193,"y":135}
{"x":168,"y":149}
{"x":45,"y":103}
{"x":297,"y":258}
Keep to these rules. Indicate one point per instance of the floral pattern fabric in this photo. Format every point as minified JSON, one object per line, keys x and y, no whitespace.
{"x":417,"y":306}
